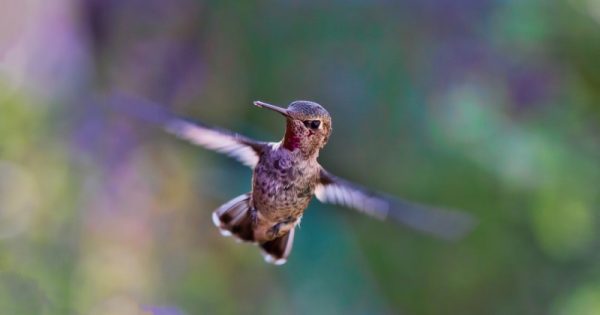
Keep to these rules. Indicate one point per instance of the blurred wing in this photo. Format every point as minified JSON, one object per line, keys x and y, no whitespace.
{"x":446,"y":224}
{"x":239,"y":147}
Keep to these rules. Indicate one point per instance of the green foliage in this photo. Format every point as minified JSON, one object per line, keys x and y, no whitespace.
{"x":487,"y":106}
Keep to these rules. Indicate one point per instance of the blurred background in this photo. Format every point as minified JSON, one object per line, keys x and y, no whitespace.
{"x":488,"y":106}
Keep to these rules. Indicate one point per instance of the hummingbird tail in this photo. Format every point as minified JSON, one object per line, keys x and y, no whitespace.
{"x":235,"y":218}
{"x":277,"y":250}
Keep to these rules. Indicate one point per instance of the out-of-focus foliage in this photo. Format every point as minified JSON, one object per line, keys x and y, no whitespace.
{"x":488,"y":106}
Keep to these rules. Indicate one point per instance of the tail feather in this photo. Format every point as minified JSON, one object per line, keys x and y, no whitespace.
{"x":235,"y":218}
{"x":277,"y":250}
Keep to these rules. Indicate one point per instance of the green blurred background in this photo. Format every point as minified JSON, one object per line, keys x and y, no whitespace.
{"x":488,"y":106}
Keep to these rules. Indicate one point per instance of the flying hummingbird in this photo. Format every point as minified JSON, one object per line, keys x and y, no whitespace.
{"x":286,"y":176}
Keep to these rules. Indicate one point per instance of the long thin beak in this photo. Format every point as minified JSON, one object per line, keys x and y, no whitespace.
{"x":278,"y":109}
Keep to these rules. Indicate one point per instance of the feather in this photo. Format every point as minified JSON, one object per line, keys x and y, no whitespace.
{"x":243,"y":149}
{"x":443,"y":223}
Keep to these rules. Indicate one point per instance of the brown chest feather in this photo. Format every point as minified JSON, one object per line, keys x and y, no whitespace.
{"x":283,"y":185}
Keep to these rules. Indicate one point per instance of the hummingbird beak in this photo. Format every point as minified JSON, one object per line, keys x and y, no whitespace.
{"x":278,"y":109}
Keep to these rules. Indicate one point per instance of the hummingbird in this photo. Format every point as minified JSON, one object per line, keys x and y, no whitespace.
{"x":287,"y":175}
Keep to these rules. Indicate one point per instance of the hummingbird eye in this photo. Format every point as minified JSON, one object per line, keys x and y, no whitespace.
{"x":312,"y":124}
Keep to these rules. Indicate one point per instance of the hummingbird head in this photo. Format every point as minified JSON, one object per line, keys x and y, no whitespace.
{"x":308,"y":125}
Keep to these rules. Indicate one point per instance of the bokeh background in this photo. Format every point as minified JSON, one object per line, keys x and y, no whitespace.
{"x":492,"y":107}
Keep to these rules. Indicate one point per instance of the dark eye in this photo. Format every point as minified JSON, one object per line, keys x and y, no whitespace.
{"x":312,"y":124}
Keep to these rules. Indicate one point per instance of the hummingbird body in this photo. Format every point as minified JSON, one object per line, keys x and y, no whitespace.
{"x":286,"y":175}
{"x":283,"y":184}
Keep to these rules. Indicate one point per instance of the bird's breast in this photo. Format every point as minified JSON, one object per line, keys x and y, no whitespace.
{"x":282,"y":187}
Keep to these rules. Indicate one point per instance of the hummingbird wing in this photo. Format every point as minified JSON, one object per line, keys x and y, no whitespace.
{"x":243,"y":149}
{"x":446,"y":224}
